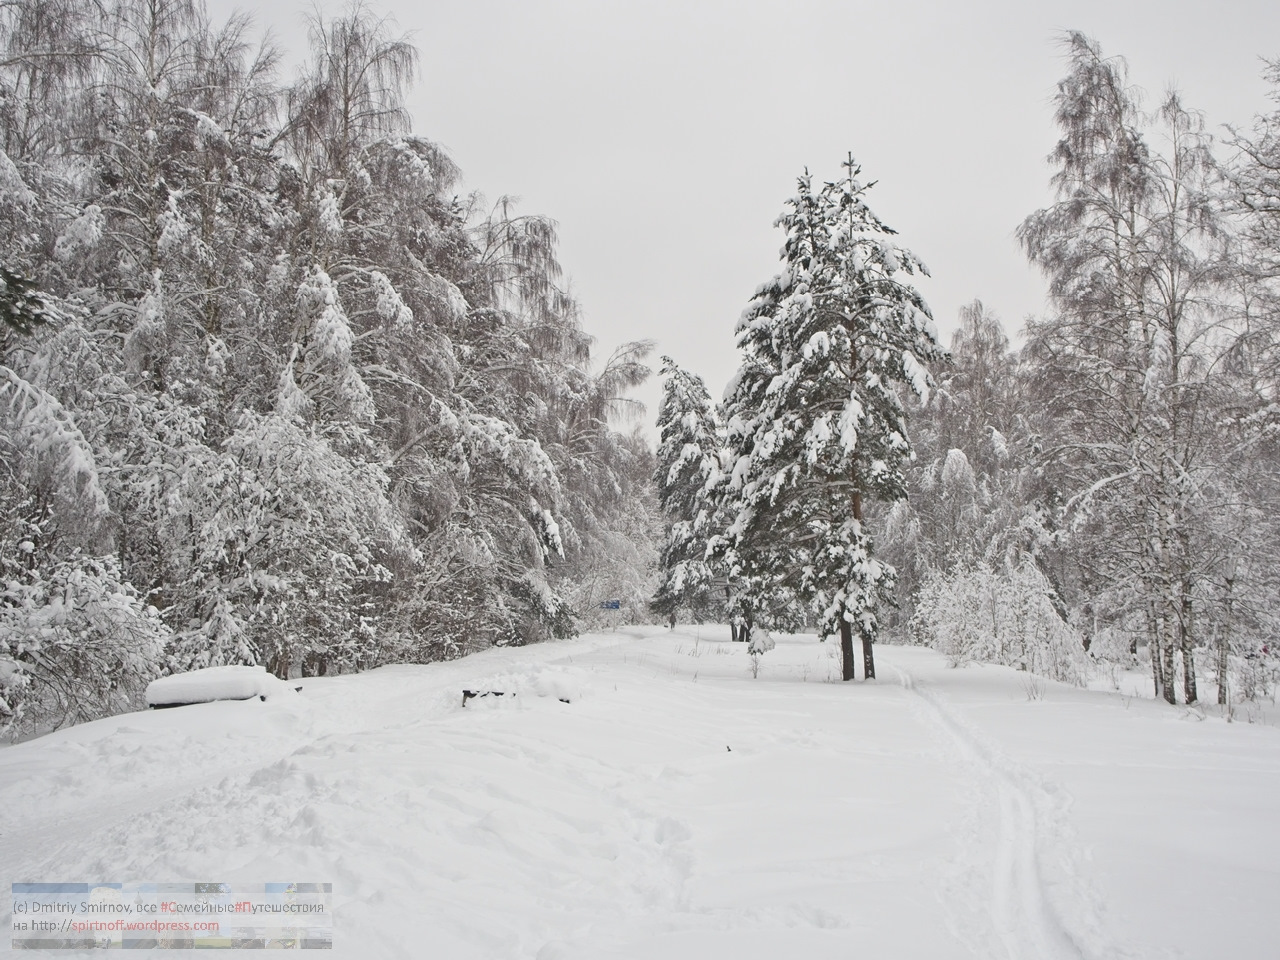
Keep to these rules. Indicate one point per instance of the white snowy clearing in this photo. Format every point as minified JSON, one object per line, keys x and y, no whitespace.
{"x":678,"y":808}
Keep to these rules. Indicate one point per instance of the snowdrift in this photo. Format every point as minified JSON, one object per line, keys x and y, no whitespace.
{"x":216,"y":683}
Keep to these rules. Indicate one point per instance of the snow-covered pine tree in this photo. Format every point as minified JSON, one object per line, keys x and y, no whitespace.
{"x":815,"y":423}
{"x":687,"y":454}
{"x":22,"y":306}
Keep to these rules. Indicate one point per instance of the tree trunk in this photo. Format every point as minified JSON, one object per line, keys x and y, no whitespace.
{"x":846,"y":649}
{"x":1153,"y":647}
{"x":1168,"y":609}
{"x":1224,"y":648}
{"x":846,"y":628}
{"x":1188,"y":645}
{"x":1167,"y":676}
{"x":1221,"y":640}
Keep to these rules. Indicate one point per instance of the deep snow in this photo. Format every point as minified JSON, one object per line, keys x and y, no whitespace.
{"x":678,"y":808}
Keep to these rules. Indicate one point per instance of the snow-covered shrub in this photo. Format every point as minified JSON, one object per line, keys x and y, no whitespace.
{"x":999,"y":616}
{"x":1253,"y":673}
{"x":76,"y":642}
{"x":761,"y":642}
{"x":1114,"y":644}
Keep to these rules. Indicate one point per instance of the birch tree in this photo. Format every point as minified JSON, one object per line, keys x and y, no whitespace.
{"x":1133,"y":251}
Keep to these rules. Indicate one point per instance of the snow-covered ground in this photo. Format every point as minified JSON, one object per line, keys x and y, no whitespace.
{"x":678,"y":808}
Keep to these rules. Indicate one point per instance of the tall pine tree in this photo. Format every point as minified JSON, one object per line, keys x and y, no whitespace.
{"x":816,"y":425}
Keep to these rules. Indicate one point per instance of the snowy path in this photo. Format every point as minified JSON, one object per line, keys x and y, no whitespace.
{"x":677,"y":808}
{"x":1028,"y":824}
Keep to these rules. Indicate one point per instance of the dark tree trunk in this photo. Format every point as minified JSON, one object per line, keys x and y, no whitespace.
{"x":1170,"y":689}
{"x":1187,"y":622}
{"x":1153,"y":645}
{"x":1224,"y":648}
{"x":1222,"y":666}
{"x":1168,"y":677}
{"x":846,"y":628}
{"x":846,"y":650}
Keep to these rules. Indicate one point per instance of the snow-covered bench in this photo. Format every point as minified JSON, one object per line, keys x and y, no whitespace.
{"x":215,"y":683}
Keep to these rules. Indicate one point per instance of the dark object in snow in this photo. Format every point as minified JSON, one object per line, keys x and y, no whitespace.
{"x":192,"y":703}
{"x":727,"y":748}
{"x":468,"y":694}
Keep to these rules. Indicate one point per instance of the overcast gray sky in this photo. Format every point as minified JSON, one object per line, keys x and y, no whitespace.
{"x":664,"y":136}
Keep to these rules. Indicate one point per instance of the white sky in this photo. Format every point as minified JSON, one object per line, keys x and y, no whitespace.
{"x":664,"y":136}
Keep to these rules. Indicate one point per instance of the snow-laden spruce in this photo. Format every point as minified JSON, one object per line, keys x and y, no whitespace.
{"x":815,"y":423}
{"x":688,"y":454}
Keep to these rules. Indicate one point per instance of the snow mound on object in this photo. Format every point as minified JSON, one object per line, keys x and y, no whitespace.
{"x":215,"y":683}
{"x":560,"y":683}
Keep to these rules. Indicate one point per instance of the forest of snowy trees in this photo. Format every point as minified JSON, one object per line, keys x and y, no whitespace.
{"x":1107,"y":491}
{"x":273,"y":391}
{"x":270,"y":390}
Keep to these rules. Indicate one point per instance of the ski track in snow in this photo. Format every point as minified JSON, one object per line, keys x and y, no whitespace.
{"x":1038,"y":904}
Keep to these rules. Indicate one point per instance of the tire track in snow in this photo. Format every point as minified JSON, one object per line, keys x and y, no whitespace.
{"x":1039,"y":906}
